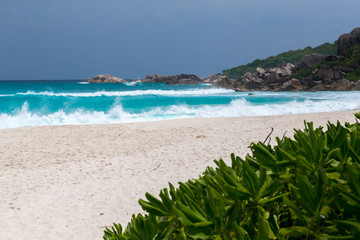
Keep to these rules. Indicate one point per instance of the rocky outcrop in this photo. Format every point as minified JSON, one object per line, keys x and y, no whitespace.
{"x":317,"y":72}
{"x":172,"y":80}
{"x":263,"y":79}
{"x":309,"y":60}
{"x":105,"y":78}
{"x":324,"y":78}
{"x":348,"y":41}
{"x":314,"y":72}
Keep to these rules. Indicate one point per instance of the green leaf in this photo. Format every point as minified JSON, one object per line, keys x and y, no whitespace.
{"x":190,"y":213}
{"x":295,"y":232}
{"x":239,"y":231}
{"x":263,"y":155}
{"x":151,"y":209}
{"x":307,"y":194}
{"x":353,"y":176}
{"x":265,"y":231}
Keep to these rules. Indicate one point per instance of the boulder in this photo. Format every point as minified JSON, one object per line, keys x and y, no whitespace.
{"x":105,"y":78}
{"x":225,"y":83}
{"x":173,"y":80}
{"x":318,"y":87}
{"x":356,"y":86}
{"x":327,"y":73}
{"x":213,"y":79}
{"x":348,"y":41}
{"x":331,"y":58}
{"x":293,"y":85}
{"x":260,"y":71}
{"x":251,"y":82}
{"x":308,"y":60}
{"x":342,"y":85}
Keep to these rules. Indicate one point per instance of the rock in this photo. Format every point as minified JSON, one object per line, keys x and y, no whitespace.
{"x":348,"y":41}
{"x":213,"y":79}
{"x":293,"y":85}
{"x":356,"y":86}
{"x":105,"y":78}
{"x":308,"y":60}
{"x":327,"y":73}
{"x":271,"y":77}
{"x":318,"y":87}
{"x":345,"y":69}
{"x":173,"y":80}
{"x":291,"y":67}
{"x":331,"y":58}
{"x":260,"y":71}
{"x":225,"y":83}
{"x":265,"y":88}
{"x":278,"y":74}
{"x":342,"y":85}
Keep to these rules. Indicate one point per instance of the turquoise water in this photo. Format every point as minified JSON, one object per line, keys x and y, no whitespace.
{"x":34,"y":103}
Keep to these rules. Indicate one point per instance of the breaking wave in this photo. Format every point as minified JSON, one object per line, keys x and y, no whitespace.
{"x":117,"y":114}
{"x":196,"y":92}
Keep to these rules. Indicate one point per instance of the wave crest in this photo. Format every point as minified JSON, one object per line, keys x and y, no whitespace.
{"x":117,"y":114}
{"x":195,"y":92}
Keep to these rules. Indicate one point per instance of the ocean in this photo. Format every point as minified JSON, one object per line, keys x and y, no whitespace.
{"x":37,"y":103}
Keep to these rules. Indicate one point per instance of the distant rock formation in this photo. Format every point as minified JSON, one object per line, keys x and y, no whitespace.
{"x":172,"y":80}
{"x":324,"y":78}
{"x":348,"y":41}
{"x":314,"y":72}
{"x":105,"y":78}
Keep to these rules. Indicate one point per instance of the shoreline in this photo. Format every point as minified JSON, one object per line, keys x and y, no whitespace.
{"x":171,"y":119}
{"x":70,"y":181}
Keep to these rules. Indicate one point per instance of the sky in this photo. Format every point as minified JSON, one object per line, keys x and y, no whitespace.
{"x":77,"y":39}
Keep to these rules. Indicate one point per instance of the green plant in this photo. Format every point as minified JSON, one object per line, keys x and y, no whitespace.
{"x":307,"y":187}
{"x":357,"y":115}
{"x":301,"y":73}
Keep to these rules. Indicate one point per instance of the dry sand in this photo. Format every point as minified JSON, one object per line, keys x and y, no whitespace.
{"x":69,"y":182}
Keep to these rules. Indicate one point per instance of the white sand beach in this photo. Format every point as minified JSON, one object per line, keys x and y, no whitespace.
{"x":69,"y":182}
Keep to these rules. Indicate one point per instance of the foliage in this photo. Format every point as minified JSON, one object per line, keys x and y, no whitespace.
{"x":353,"y":59}
{"x":357,"y":115}
{"x":307,"y":187}
{"x":354,"y":76}
{"x":273,"y":61}
{"x":301,"y":74}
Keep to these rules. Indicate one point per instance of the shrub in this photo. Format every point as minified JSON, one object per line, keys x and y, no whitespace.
{"x":357,"y":115}
{"x":301,"y":73}
{"x":302,"y":188}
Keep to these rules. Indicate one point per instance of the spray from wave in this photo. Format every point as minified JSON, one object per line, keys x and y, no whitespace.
{"x":117,"y":114}
{"x":194,"y":92}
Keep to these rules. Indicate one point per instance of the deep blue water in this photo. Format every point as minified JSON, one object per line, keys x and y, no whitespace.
{"x":32,"y":103}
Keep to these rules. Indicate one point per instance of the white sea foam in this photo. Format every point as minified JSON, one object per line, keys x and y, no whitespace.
{"x":136,"y":83}
{"x":7,"y":95}
{"x":239,"y":107}
{"x":83,"y":82}
{"x":196,"y":92}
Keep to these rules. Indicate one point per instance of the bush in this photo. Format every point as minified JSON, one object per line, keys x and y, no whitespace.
{"x":357,"y":115}
{"x":303,"y":188}
{"x":301,"y":73}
